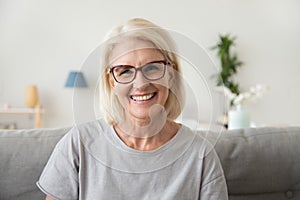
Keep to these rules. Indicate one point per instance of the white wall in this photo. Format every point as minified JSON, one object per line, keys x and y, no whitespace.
{"x":41,"y":40}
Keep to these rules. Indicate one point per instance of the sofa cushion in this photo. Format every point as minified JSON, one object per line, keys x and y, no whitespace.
{"x":23,"y":155}
{"x":260,"y":163}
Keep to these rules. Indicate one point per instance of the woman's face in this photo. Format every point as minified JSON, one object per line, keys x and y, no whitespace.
{"x":141,"y":96}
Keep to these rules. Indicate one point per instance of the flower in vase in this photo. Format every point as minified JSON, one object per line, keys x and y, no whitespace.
{"x":254,"y":92}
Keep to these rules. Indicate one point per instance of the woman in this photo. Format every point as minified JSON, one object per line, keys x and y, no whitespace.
{"x":138,"y":151}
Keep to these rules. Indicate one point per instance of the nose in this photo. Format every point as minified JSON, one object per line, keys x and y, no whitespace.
{"x":140,"y":80}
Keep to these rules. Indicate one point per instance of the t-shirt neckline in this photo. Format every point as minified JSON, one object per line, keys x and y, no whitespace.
{"x":119,"y":142}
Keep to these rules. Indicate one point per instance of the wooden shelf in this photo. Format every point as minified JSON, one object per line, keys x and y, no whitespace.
{"x":37,"y":111}
{"x":18,"y":111}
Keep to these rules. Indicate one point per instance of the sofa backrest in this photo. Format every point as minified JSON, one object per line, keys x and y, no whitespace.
{"x":260,"y":163}
{"x":23,"y":155}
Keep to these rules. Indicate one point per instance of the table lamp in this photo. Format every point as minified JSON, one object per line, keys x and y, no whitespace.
{"x":75,"y":79}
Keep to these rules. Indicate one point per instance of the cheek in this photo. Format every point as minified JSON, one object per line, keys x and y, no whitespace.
{"x":121,"y":91}
{"x":165,"y":94}
{"x":165,"y":82}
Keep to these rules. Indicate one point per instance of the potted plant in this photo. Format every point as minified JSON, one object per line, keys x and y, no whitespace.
{"x":234,"y":118}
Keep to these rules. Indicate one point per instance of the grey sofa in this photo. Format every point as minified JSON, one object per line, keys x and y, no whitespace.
{"x":259,"y":164}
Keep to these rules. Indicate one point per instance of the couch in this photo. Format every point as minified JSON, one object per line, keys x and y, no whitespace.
{"x":259,"y":163}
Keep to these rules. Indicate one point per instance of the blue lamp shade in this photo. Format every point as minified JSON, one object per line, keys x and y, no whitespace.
{"x":75,"y":79}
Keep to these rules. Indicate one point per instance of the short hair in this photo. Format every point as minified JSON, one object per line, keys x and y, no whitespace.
{"x":145,"y":30}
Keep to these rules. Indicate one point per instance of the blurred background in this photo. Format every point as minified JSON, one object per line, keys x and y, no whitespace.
{"x":41,"y":41}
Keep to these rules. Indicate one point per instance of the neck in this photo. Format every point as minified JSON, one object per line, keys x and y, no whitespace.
{"x":152,"y":142}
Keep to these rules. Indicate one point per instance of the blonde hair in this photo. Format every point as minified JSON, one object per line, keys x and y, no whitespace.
{"x":145,"y":30}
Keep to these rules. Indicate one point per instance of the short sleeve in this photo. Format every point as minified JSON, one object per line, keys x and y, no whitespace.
{"x":213,"y":184}
{"x":59,"y":178}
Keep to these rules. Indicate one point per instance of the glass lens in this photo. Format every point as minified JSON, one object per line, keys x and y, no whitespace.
{"x":153,"y":71}
{"x":124,"y":74}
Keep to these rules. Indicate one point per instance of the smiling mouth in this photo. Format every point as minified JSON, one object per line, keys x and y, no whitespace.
{"x":142,"y":97}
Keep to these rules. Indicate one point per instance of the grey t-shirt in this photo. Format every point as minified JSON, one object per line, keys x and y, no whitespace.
{"x":91,"y":162}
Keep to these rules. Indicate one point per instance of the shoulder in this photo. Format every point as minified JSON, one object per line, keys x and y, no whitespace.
{"x":202,"y":143}
{"x":83,"y":133}
{"x":200,"y":138}
{"x":91,"y":127}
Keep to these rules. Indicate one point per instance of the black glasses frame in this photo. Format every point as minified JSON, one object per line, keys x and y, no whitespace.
{"x":139,"y":69}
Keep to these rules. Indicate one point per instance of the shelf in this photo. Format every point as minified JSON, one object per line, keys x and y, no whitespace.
{"x":18,"y":111}
{"x":37,"y":111}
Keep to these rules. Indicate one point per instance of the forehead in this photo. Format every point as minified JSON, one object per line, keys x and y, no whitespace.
{"x":134,"y":51}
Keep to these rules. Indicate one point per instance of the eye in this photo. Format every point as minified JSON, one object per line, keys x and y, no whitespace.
{"x":151,"y":68}
{"x":124,"y":71}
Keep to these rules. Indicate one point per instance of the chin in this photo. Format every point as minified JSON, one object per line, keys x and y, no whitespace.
{"x":140,"y":115}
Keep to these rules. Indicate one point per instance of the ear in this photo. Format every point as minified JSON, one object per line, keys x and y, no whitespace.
{"x":111,"y":81}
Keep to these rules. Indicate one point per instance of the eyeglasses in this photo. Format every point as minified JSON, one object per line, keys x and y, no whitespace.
{"x":151,"y":71}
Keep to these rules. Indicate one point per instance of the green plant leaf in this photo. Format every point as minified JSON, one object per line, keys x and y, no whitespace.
{"x":229,"y":63}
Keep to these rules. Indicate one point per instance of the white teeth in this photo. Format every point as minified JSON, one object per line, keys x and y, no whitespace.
{"x":142,"y":98}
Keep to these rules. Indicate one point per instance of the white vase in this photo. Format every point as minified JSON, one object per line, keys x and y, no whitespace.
{"x":238,"y":118}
